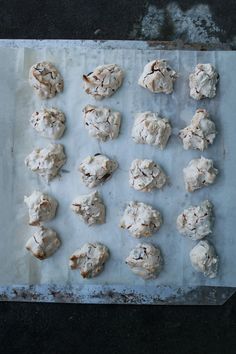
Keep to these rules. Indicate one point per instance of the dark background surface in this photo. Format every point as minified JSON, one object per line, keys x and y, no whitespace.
{"x":61,"y":328}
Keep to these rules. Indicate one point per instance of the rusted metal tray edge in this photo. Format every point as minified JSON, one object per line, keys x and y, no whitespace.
{"x":100,"y":294}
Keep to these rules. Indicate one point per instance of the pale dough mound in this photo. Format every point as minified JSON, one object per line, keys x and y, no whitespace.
{"x":151,"y":129}
{"x":202,"y":81}
{"x":204,"y":259}
{"x":104,"y":81}
{"x":45,"y":79}
{"x":158,"y":77}
{"x":145,"y":175}
{"x":102,"y":123}
{"x":47,"y":161}
{"x":199,"y":173}
{"x":145,"y":260}
{"x":41,"y":207}
{"x":49,"y":122}
{"x":200,"y":133}
{"x":90,"y":207}
{"x":196,"y":221}
{"x":89,"y":259}
{"x":43,"y":243}
{"x":96,"y":169}
{"x":141,"y":220}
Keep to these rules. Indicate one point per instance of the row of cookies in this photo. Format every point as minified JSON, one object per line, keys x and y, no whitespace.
{"x":144,"y":175}
{"x":148,"y":128}
{"x":105,"y":80}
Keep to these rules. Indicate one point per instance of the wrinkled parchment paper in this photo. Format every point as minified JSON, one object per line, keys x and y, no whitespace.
{"x":18,"y":139}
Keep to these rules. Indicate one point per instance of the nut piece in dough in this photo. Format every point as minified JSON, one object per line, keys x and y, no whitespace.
{"x":49,"y":122}
{"x":141,"y":220}
{"x":47,"y":161}
{"x":196,"y":221}
{"x":89,"y":259}
{"x":202,"y":81}
{"x":145,"y":260}
{"x":102,"y":123}
{"x":45,"y":79}
{"x":41,"y":207}
{"x":96,"y":169}
{"x":199,"y":173}
{"x":90,"y":207}
{"x":204,"y":259}
{"x":43,"y":243}
{"x":158,"y":77}
{"x":151,"y":129}
{"x":145,"y":175}
{"x":104,"y":81}
{"x":200,"y":133}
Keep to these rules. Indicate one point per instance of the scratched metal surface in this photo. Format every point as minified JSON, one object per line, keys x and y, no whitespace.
{"x":103,"y":293}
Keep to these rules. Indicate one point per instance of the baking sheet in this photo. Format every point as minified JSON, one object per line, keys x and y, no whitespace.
{"x":18,"y":139}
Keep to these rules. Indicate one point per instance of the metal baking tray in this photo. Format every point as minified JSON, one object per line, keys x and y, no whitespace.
{"x":25,"y":279}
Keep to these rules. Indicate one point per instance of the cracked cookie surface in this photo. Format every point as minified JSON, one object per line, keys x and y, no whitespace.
{"x":145,"y":260}
{"x":46,"y":161}
{"x":49,"y":123}
{"x":145,"y":175}
{"x":196,"y":221}
{"x":199,"y":173}
{"x":158,"y":77}
{"x":151,"y":129}
{"x":104,"y":81}
{"x":140,"y":219}
{"x":41,"y":207}
{"x":203,"y":81}
{"x":89,"y":259}
{"x":43,"y":243}
{"x":102,"y":123}
{"x":204,"y":259}
{"x":90,"y":207}
{"x":96,"y":169}
{"x":200,"y":133}
{"x":45,"y":80}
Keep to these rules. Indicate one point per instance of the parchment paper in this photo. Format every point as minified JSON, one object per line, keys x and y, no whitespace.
{"x":18,"y":139}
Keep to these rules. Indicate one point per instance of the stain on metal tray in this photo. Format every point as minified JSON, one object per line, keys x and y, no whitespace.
{"x":162,"y":295}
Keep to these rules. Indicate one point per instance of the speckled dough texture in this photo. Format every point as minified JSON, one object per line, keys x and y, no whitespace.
{"x":140,"y":219}
{"x":102,"y":123}
{"x":200,"y":133}
{"x":145,"y":260}
{"x":49,"y":123}
{"x":89,"y":259}
{"x":45,"y":80}
{"x":90,"y":208}
{"x":41,"y":206}
{"x":96,"y":169}
{"x":203,"y":81}
{"x":158,"y":77}
{"x":196,"y":221}
{"x":151,"y":129}
{"x":204,"y":259}
{"x":44,"y":243}
{"x":199,"y":173}
{"x":145,"y":175}
{"x":104,"y":81}
{"x":46,"y":161}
